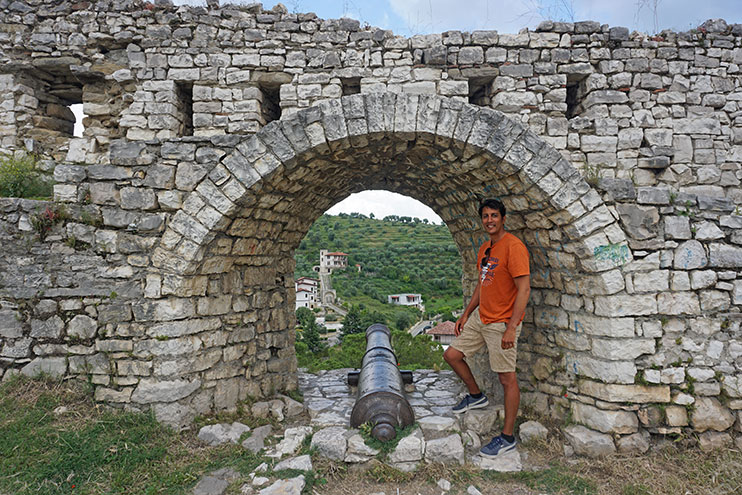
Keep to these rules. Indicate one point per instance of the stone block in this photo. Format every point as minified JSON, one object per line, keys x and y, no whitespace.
{"x":709,"y":414}
{"x":447,"y":450}
{"x":17,"y":348}
{"x":607,"y":371}
{"x":409,"y":449}
{"x":82,"y":326}
{"x":588,"y":442}
{"x":621,"y":422}
{"x":690,"y":255}
{"x":677,"y":227}
{"x":47,"y":329}
{"x":620,"y":349}
{"x":470,"y":55}
{"x":11,"y":325}
{"x":53,"y":366}
{"x":677,"y":303}
{"x":331,"y":442}
{"x":150,"y":390}
{"x":610,"y":392}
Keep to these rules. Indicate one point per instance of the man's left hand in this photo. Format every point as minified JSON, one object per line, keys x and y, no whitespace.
{"x":508,"y":338}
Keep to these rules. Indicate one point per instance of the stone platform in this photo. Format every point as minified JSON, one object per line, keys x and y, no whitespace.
{"x":441,"y":436}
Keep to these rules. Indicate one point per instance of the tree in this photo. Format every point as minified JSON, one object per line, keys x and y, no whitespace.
{"x":304,"y":316}
{"x":310,"y":335}
{"x":404,"y":320}
{"x":310,"y":330}
{"x":352,"y":322}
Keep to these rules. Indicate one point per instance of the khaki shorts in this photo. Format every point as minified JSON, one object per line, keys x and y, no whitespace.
{"x":476,"y":334}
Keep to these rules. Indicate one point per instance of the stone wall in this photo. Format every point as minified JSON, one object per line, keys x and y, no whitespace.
{"x":214,"y":139}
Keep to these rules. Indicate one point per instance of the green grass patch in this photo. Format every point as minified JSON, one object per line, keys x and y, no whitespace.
{"x":384,"y":448}
{"x":555,"y":479}
{"x":91,"y":450}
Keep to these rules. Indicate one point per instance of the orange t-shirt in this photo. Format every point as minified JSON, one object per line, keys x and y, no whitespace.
{"x":506,"y":260}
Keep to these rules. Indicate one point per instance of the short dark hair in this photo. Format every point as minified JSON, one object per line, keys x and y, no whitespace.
{"x":493,"y":203}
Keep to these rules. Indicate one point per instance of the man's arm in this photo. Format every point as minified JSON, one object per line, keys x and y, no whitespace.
{"x":523,"y":285}
{"x":473,"y":303}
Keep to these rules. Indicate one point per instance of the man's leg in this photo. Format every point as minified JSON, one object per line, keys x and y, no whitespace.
{"x":455,"y":360}
{"x":511,"y":391}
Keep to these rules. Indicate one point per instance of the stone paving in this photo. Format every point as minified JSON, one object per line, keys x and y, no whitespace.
{"x":329,"y":399}
{"x":440,"y":436}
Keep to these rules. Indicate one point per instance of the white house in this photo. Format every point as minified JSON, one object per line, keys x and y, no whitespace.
{"x":405,"y":299}
{"x":307,"y":290}
{"x":329,"y":261}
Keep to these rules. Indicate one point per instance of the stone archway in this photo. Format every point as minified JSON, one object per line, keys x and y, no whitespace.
{"x":226,"y":263}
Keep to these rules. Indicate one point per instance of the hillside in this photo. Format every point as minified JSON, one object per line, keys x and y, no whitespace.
{"x":396,"y":254}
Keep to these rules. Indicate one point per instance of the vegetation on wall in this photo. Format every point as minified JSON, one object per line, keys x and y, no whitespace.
{"x":20,"y":178}
{"x":396,"y":255}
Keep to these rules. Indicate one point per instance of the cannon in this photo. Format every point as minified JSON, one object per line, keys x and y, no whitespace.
{"x":381,"y":401}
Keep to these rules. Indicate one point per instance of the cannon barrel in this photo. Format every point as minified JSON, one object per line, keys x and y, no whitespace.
{"x":381,"y":400}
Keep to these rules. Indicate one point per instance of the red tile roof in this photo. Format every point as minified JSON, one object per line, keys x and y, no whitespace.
{"x":445,"y":328}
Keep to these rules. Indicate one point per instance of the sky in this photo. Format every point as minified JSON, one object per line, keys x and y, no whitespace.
{"x":411,"y":17}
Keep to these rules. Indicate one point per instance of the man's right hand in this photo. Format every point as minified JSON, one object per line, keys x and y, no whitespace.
{"x":460,"y":325}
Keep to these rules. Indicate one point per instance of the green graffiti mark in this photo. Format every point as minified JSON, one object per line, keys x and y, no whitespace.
{"x":617,"y":253}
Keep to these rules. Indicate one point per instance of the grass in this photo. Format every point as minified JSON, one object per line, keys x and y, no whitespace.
{"x":92,"y":450}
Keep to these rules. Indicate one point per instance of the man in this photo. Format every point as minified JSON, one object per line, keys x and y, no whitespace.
{"x":493,"y":317}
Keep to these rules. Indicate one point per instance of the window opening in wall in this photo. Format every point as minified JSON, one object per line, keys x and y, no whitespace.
{"x":480,"y":91}
{"x":79,"y":127}
{"x":185,"y":108}
{"x":271,"y":104}
{"x":575,"y":94}
{"x":56,"y":106}
{"x":351,"y":85}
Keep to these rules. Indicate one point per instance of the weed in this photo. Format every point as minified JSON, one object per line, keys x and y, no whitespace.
{"x":384,"y":448}
{"x":20,"y":179}
{"x":639,"y":378}
{"x":552,"y":480}
{"x":296,"y":395}
{"x":89,"y":219}
{"x":591,"y":174}
{"x":43,"y":221}
{"x":383,"y":473}
{"x":635,"y":489}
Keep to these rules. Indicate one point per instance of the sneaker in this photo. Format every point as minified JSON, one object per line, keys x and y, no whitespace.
{"x":469,"y":402}
{"x":497,"y":446}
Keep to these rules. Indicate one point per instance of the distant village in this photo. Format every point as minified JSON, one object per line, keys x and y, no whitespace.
{"x":318,"y":293}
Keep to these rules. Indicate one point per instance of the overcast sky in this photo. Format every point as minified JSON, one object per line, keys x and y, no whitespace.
{"x":410,"y":17}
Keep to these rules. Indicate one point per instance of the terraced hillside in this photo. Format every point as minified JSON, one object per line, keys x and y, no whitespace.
{"x":396,"y":254}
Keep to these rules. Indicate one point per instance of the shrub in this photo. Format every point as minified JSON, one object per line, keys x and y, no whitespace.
{"x":20,"y":179}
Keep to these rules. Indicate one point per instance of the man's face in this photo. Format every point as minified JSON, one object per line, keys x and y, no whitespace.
{"x":492,"y":221}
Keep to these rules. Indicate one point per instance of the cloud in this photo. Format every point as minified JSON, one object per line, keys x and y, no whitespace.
{"x":428,"y":16}
{"x":383,"y":203}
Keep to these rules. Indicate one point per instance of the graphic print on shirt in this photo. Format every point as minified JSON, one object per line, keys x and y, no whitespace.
{"x":488,"y":270}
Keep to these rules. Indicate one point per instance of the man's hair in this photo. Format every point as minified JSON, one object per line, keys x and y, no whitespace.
{"x":493,"y":203}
